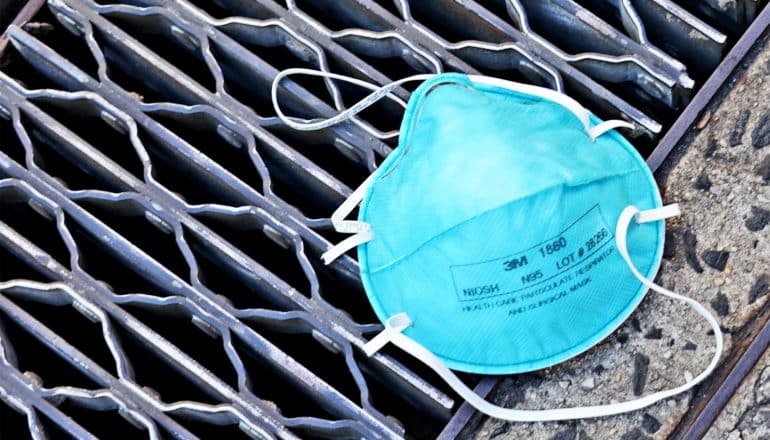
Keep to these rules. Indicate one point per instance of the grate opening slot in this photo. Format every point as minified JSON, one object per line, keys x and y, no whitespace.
{"x":9,"y":141}
{"x":177,"y":328}
{"x":125,"y":69}
{"x":237,"y":284}
{"x":260,"y":290}
{"x":327,"y":156}
{"x":137,"y":229}
{"x":33,"y":220}
{"x":653,"y":107}
{"x":28,"y":74}
{"x":344,"y":294}
{"x":74,"y":327}
{"x":63,"y":162}
{"x":409,"y":414}
{"x":253,"y":82}
{"x":219,"y":9}
{"x":229,"y":8}
{"x":278,"y":390}
{"x":169,"y":42}
{"x":86,"y":119}
{"x":708,"y":11}
{"x":248,"y":234}
{"x":559,"y":27}
{"x":184,"y":178}
{"x":162,"y":379}
{"x":32,"y":355}
{"x":298,"y":192}
{"x":391,"y":56}
{"x":149,"y":88}
{"x":455,"y":24}
{"x":308,"y":351}
{"x":341,"y":15}
{"x":13,"y":267}
{"x":54,"y":430}
{"x":14,"y":422}
{"x":66,"y":44}
{"x":201,"y":132}
{"x":60,"y":163}
{"x":9,"y":12}
{"x":100,"y":264}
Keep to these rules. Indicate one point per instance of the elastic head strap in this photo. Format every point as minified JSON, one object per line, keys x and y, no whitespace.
{"x":362,"y":231}
{"x":395,"y":326}
{"x":378,"y":92}
{"x":386,"y":91}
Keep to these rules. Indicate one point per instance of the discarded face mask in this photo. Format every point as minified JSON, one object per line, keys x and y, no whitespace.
{"x":509,"y":231}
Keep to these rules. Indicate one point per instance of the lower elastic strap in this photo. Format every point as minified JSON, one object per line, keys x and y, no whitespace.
{"x":397,"y":323}
{"x":345,"y":245}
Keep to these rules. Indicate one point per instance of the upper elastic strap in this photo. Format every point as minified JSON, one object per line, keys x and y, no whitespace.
{"x":362,"y":230}
{"x":396,"y":324}
{"x":378,"y":92}
{"x":386,"y":91}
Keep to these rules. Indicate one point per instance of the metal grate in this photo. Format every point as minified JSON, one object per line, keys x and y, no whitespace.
{"x":160,"y":230}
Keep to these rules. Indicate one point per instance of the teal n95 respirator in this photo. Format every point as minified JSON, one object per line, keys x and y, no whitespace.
{"x":510,"y":230}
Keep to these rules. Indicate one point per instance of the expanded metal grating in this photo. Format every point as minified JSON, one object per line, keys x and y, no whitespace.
{"x":160,"y":229}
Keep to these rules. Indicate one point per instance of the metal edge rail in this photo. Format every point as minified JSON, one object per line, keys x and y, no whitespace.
{"x":758,"y":346}
{"x":709,"y":90}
